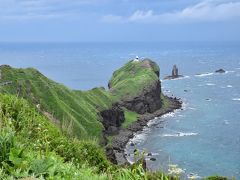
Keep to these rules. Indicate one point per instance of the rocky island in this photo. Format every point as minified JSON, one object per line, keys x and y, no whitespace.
{"x":174,"y":75}
{"x":220,"y":71}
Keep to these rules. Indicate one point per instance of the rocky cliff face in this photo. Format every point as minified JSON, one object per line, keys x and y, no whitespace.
{"x":148,"y":102}
{"x":112,"y":119}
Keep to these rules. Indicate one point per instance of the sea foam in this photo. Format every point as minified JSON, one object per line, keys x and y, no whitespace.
{"x":180,"y":134}
{"x":204,"y":74}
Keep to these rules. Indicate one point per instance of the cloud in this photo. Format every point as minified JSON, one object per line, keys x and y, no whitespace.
{"x":205,"y":11}
{"x":32,"y":9}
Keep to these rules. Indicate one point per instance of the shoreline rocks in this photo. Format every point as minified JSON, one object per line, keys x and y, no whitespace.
{"x":124,"y":135}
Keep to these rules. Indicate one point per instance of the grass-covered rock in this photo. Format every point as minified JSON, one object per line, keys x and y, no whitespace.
{"x":137,"y":86}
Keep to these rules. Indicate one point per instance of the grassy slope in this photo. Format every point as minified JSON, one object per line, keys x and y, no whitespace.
{"x":130,"y":80}
{"x":76,"y":108}
{"x":32,"y":147}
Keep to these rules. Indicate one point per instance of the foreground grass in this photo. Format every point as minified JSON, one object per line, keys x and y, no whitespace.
{"x":31,"y":146}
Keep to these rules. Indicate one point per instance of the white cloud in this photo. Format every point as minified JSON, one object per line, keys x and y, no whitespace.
{"x":32,"y":9}
{"x":205,"y":11}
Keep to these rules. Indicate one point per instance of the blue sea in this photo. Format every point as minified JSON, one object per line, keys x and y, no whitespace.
{"x":203,"y":138}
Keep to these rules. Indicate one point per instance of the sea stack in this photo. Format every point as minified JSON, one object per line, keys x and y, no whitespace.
{"x":174,"y":73}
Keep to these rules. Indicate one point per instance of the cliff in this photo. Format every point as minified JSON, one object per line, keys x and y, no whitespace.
{"x":137,"y":86}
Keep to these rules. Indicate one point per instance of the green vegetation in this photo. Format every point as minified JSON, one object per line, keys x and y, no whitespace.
{"x":32,"y":147}
{"x":130,"y":117}
{"x":48,"y":131}
{"x":65,"y":107}
{"x":77,"y":112}
{"x":133,"y":78}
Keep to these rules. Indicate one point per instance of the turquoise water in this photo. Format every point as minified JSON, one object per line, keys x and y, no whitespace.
{"x":203,"y":138}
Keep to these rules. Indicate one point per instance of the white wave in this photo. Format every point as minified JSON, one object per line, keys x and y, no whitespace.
{"x":229,"y":86}
{"x":193,"y":176}
{"x":180,"y":115}
{"x":204,"y":74}
{"x":236,"y":99}
{"x":229,"y":72}
{"x":210,"y":84}
{"x":238,"y":68}
{"x":179,"y":134}
{"x":192,"y":108}
{"x":184,"y":77}
{"x":171,"y":114}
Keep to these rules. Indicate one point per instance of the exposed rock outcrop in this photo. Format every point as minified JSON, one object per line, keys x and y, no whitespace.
{"x":175,"y":71}
{"x":220,"y":71}
{"x":139,"y":84}
{"x":121,"y":139}
{"x":112,"y":119}
{"x":174,"y":74}
{"x":148,"y":102}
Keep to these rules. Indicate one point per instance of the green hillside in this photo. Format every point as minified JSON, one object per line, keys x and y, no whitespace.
{"x":78,"y":109}
{"x":33,"y":147}
{"x":133,"y":78}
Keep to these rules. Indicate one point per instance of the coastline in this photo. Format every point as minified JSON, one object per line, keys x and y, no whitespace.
{"x":116,"y":153}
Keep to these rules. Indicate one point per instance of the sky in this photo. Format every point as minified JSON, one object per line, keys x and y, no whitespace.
{"x":119,"y":20}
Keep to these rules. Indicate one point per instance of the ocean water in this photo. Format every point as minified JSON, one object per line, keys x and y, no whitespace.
{"x":203,"y":138}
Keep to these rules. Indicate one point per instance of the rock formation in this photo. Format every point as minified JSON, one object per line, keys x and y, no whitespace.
{"x":148,"y":102}
{"x":139,"y":84}
{"x":112,"y":119}
{"x":174,"y":74}
{"x":220,"y":71}
{"x":175,"y":71}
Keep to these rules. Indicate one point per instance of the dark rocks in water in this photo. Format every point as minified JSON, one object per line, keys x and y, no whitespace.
{"x":220,"y":71}
{"x":132,"y":144}
{"x":120,"y":140}
{"x":149,"y":154}
{"x":174,"y":74}
{"x":185,"y":90}
{"x":153,"y":159}
{"x":175,"y":71}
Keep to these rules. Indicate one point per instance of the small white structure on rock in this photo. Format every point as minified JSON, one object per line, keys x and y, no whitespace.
{"x":136,"y":59}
